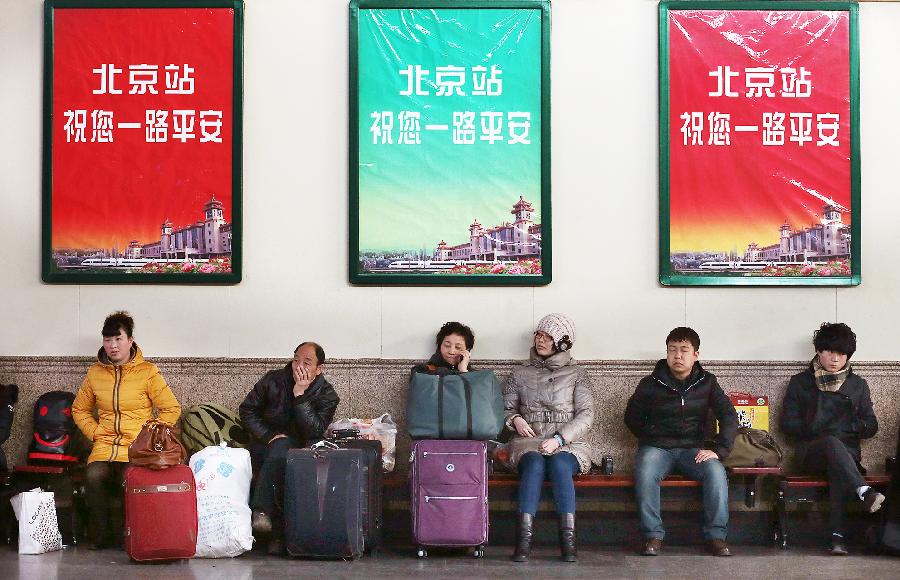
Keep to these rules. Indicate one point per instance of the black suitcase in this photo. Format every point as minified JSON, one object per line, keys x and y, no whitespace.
{"x":371,"y":487}
{"x":322,"y":510}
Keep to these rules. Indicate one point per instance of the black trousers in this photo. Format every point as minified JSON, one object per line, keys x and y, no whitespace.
{"x":829,"y":456}
{"x":103,"y":481}
{"x":268,"y":494}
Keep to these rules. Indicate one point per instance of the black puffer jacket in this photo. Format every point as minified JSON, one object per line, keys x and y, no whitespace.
{"x":809,"y":413}
{"x":271,"y":408}
{"x":661,"y":415}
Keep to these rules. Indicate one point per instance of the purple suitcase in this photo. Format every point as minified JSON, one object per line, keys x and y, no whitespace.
{"x":448,"y":494}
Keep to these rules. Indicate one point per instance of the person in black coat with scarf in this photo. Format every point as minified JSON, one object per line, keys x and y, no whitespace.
{"x":828,"y":410}
{"x":287,"y":408}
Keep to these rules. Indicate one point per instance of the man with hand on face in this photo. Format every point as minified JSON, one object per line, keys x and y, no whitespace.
{"x":288,"y":408}
{"x":668,"y":412}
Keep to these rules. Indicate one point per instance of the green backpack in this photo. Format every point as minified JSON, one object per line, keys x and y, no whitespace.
{"x":754,"y":448}
{"x":209,"y":424}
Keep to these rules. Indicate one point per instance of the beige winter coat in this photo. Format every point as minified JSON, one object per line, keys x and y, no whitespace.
{"x":554,"y":395}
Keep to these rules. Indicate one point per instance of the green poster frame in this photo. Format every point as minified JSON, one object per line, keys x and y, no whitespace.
{"x":385,"y":279}
{"x":666,"y":275}
{"x":50,"y":273}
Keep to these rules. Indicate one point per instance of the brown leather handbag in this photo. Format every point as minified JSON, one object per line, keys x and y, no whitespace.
{"x":156,"y":446}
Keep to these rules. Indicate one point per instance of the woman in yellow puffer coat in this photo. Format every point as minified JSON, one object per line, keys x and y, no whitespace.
{"x":123,"y":388}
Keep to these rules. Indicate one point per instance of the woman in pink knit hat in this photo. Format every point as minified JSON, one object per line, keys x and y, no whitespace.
{"x":549,"y":404}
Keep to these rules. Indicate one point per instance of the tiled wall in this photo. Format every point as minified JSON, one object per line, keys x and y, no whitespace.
{"x":369,"y":387}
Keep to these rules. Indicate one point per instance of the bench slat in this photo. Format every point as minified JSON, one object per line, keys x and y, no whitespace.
{"x":817,"y":481}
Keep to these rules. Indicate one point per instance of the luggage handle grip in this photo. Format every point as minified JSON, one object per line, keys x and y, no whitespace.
{"x":175,"y":487}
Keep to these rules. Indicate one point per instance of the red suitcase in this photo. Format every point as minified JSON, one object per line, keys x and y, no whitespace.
{"x":160,"y":513}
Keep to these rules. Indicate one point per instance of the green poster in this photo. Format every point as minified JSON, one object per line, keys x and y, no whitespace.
{"x":450,"y":143}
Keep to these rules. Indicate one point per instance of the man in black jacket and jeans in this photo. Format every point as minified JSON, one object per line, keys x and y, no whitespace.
{"x":289,"y":407}
{"x":828,"y":409}
{"x":668,"y":413}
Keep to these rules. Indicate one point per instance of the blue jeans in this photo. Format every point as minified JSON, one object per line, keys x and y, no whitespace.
{"x":653,"y":464}
{"x":534,"y":468}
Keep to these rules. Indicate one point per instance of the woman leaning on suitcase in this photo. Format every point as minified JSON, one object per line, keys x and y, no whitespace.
{"x":123,"y":388}
{"x":549,"y":405}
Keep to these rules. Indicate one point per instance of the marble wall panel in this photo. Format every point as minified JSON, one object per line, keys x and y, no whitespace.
{"x":370,"y":387}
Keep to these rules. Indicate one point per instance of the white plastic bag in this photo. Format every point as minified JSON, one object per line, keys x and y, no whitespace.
{"x":223,"y":492}
{"x":38,"y":528}
{"x":381,"y":428}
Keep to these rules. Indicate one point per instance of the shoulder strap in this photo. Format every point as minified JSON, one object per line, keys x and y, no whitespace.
{"x":468,"y":390}
{"x":440,"y":409}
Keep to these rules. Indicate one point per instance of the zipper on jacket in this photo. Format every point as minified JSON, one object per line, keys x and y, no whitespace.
{"x":117,"y":422}
{"x":682,"y":394}
{"x":688,"y":388}
{"x":428,"y":498}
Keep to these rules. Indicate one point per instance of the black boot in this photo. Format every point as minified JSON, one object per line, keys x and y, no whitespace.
{"x":524,"y":534}
{"x":568,"y":552}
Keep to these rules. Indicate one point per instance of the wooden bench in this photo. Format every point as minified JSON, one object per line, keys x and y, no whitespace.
{"x":807,"y":489}
{"x":749,"y":476}
{"x":619,"y":486}
{"x":70,"y":510}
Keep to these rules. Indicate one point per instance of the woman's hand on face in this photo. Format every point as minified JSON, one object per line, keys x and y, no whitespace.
{"x":463,"y":364}
{"x":522,"y":427}
{"x":549,"y":446}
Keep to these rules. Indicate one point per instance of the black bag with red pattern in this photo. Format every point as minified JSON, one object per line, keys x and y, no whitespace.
{"x":55,"y":435}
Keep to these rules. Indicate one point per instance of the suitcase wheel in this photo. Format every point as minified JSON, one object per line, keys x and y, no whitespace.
{"x":421,"y":553}
{"x":479,"y":552}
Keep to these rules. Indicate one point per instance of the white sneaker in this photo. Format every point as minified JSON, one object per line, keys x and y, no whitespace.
{"x":872,"y":500}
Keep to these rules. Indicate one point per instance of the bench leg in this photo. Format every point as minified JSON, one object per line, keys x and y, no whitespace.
{"x":780,"y":524}
{"x":750,"y":491}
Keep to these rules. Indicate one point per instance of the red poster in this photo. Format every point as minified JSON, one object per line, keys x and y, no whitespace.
{"x":143,"y":135}
{"x":760,"y":145}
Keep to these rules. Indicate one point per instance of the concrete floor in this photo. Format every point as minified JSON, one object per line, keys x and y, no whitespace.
{"x":754,"y":562}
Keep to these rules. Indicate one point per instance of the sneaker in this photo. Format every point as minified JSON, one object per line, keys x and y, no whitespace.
{"x":872,"y":500}
{"x":261,"y":522}
{"x":651,"y":547}
{"x":719,"y":548}
{"x":838,"y":548}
